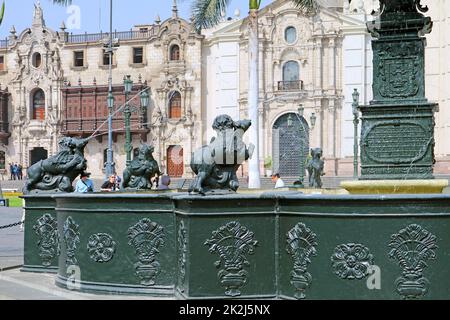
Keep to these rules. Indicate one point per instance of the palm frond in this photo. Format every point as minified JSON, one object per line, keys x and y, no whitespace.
{"x":2,"y":12}
{"x":307,"y":5}
{"x":62,"y":2}
{"x":208,"y":13}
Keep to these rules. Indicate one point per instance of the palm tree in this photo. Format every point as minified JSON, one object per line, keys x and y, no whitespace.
{"x":60,"y":2}
{"x":208,"y":13}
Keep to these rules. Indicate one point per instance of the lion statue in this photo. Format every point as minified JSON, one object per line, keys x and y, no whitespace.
{"x":315,"y":168}
{"x":138,"y":174}
{"x":216,"y":164}
{"x":57,"y":173}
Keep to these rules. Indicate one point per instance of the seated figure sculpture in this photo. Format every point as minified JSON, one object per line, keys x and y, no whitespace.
{"x":217,"y":163}
{"x":57,"y":173}
{"x":138,"y":174}
{"x":315,"y":168}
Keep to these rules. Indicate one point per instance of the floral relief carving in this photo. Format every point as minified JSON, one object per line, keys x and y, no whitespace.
{"x":232,"y":242}
{"x":46,"y":228}
{"x":301,"y":245}
{"x":101,"y":247}
{"x":412,"y":247}
{"x":147,"y":237}
{"x":71,"y":235}
{"x":351,"y":261}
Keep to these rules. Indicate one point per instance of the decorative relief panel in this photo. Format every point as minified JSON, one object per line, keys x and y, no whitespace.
{"x":301,"y":245}
{"x":101,"y":247}
{"x":232,"y":243}
{"x":46,"y":229}
{"x":412,"y":247}
{"x":398,"y":72}
{"x":351,"y":261}
{"x":71,"y":236}
{"x":147,"y":237}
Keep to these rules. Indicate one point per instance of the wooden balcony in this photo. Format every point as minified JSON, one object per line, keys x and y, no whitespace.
{"x":4,"y":124}
{"x":290,"y":85}
{"x":85,"y":112}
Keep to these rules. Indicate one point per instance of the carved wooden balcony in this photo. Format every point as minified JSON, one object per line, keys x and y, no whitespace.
{"x":85,"y":111}
{"x":4,"y":124}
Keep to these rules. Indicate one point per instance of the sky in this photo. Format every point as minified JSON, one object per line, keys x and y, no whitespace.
{"x":94,"y":14}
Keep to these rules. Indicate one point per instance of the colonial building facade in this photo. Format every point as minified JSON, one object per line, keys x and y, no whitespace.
{"x":54,"y":83}
{"x":57,"y":85}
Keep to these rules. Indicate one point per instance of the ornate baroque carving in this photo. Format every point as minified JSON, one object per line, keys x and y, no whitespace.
{"x":412,"y":247}
{"x":232,"y":243}
{"x":71,"y":236}
{"x":398,"y":69}
{"x":101,"y":247}
{"x":46,"y":229}
{"x":301,"y":245}
{"x":351,"y":261}
{"x":146,"y":237}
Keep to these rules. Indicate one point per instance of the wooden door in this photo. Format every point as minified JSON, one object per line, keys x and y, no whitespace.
{"x":175,"y":162}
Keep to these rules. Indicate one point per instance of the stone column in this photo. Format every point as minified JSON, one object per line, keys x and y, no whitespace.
{"x":332,"y":63}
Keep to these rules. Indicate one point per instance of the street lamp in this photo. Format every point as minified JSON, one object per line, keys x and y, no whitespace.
{"x":128,"y":84}
{"x":313,"y":120}
{"x":355,"y":106}
{"x":110,"y":44}
{"x":145,"y":100}
{"x":301,"y":110}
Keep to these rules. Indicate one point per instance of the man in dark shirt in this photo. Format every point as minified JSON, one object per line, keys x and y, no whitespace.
{"x":110,"y":185}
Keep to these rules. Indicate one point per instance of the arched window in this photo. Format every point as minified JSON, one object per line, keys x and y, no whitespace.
{"x":175,"y":105}
{"x":175,"y":53}
{"x":39,"y":105}
{"x":290,"y":35}
{"x":37,"y":60}
{"x":291,"y":71}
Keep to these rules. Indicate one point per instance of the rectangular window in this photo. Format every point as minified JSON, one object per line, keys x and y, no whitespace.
{"x":78,"y":59}
{"x":106,"y":58}
{"x":2,"y":63}
{"x":138,"y":55}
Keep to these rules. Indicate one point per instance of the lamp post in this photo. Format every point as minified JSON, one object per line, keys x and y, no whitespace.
{"x":355,"y":106}
{"x":313,"y":120}
{"x":299,"y":183}
{"x":128,"y":84}
{"x":110,"y":165}
{"x":144,"y":99}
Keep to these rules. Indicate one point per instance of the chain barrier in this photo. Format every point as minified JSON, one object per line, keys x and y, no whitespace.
{"x":11,"y":225}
